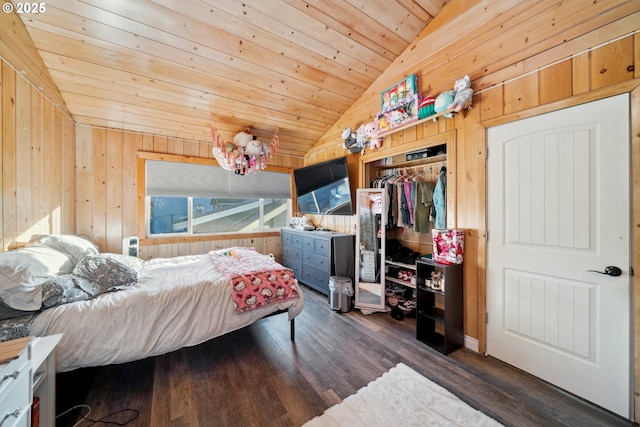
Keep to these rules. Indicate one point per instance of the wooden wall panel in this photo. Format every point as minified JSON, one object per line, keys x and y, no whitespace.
{"x":521,"y":94}
{"x":84,"y":181}
{"x":580,"y":73}
{"x":38,"y":144}
{"x":25,"y":226}
{"x":131,"y":144}
{"x":98,"y":190}
{"x":18,"y":50}
{"x":555,"y":82}
{"x":114,"y":190}
{"x":612,"y":63}
{"x":9,"y":194}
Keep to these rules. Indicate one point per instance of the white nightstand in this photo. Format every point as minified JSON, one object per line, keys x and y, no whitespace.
{"x":43,"y":363}
{"x":15,"y":383}
{"x":30,"y":372}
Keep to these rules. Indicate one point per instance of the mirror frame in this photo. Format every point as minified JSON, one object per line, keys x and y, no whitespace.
{"x":363,"y":197}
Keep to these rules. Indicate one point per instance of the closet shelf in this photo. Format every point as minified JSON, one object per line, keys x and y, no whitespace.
{"x":408,"y":125}
{"x":417,"y":162}
{"x":400,"y":282}
{"x":401,"y":264}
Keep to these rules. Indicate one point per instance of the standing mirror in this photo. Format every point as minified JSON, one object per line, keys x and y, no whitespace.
{"x":370,"y":238}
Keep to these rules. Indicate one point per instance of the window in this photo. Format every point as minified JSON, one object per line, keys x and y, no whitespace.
{"x":184,"y":198}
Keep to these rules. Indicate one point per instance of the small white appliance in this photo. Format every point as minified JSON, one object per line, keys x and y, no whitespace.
{"x":130,"y":246}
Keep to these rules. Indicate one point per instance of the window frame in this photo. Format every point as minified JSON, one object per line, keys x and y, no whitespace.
{"x":190,"y":218}
{"x":142,"y":214}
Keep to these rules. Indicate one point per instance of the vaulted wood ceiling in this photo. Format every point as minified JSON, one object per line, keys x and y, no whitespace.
{"x":175,"y":68}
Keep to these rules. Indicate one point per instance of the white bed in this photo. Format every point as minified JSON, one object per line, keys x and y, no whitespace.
{"x":176,"y":302}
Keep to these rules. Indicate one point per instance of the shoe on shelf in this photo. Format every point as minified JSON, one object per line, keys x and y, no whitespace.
{"x":407,"y":305}
{"x":393,"y":289}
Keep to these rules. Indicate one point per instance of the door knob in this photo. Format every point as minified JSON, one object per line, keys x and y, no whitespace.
{"x":610,"y":270}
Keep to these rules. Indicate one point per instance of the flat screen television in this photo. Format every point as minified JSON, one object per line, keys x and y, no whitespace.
{"x":323,"y":188}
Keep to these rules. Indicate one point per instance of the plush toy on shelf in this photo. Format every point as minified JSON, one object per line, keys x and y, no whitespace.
{"x":462,"y":98}
{"x":456,"y":99}
{"x":426,"y":107}
{"x":350,"y":141}
{"x":371,"y":130}
{"x":442,"y":102}
{"x":361,"y":138}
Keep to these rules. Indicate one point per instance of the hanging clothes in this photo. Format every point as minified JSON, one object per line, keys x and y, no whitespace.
{"x":411,"y":200}
{"x":422,"y":208}
{"x":439,"y":207}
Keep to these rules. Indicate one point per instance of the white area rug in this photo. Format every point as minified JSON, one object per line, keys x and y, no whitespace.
{"x":402,"y":397}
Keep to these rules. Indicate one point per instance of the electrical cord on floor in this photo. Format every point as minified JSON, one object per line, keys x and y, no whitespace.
{"x":134,"y":414}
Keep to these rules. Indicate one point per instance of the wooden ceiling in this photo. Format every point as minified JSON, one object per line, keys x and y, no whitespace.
{"x":175,"y":68}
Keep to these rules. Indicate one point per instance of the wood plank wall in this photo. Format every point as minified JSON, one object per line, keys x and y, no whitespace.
{"x":38,"y":144}
{"x":107,"y":193}
{"x":565,"y":74}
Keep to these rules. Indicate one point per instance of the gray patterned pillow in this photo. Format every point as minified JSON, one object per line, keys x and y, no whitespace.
{"x":62,"y":290}
{"x":104,"y":274}
{"x":133,"y":262}
{"x":17,"y":327}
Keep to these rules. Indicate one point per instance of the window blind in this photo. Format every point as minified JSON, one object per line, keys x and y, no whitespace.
{"x":193,"y":180}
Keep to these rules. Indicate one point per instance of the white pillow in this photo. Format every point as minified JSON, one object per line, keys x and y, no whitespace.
{"x":23,"y":270}
{"x":75,"y":247}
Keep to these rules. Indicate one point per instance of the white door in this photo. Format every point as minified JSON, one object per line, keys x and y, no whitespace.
{"x":557,"y":207}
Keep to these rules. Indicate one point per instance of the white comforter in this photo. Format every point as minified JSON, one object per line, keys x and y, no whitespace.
{"x":177,"y":302}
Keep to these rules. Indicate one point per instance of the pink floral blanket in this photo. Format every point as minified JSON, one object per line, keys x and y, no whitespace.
{"x":256,"y":279}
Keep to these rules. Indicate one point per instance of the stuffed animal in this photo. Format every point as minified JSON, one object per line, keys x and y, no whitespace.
{"x":376,"y":143}
{"x":426,"y":107}
{"x":376,"y":203}
{"x":350,"y":141}
{"x":361,"y":139}
{"x":354,"y":141}
{"x":462,"y":98}
{"x":371,"y":130}
{"x":443,"y":101}
{"x":242,"y":139}
{"x":253,"y":148}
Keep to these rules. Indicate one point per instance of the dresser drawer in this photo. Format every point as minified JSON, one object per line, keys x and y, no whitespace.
{"x":322,"y":246}
{"x":291,"y":239}
{"x":293,"y":264}
{"x":308,"y":244}
{"x":317,"y":260}
{"x":16,"y":405}
{"x":316,"y":278}
{"x":14,"y":372}
{"x":15,"y":390}
{"x":292,"y":252}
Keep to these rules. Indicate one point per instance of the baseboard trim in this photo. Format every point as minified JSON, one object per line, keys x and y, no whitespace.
{"x":471,"y":343}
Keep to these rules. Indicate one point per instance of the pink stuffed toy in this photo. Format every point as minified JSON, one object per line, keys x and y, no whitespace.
{"x":371,"y":130}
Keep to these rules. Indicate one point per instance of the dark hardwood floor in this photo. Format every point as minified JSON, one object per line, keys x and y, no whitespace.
{"x":257,"y":377}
